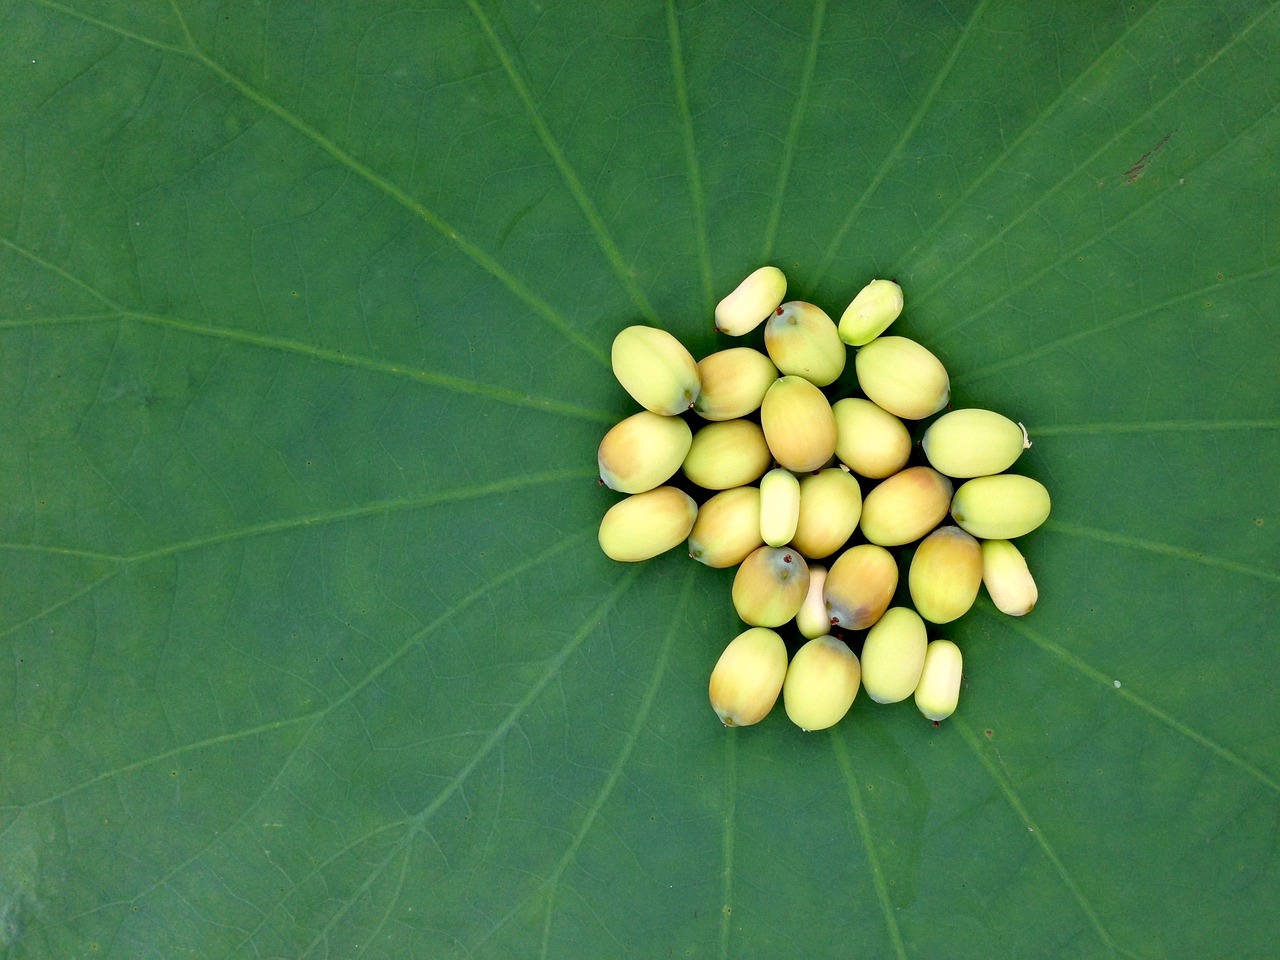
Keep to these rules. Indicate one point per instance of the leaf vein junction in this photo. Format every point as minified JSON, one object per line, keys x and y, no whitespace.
{"x":468,"y":247}
{"x":1011,"y":797}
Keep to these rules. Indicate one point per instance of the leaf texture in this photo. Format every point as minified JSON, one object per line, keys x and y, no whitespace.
{"x":308,"y":647}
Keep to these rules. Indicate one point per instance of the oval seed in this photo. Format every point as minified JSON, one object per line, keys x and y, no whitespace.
{"x":751,"y":302}
{"x":802,"y":340}
{"x":893,"y":655}
{"x":973,"y":443}
{"x":770,"y":586}
{"x":821,"y":683}
{"x":647,"y":524}
{"x":656,"y":369}
{"x":747,"y":678}
{"x":945,"y":574}
{"x":779,"y":506}
{"x":798,"y":424}
{"x":870,"y":441}
{"x":643,"y":451}
{"x":902,"y":377}
{"x":1006,"y":577}
{"x":830,"y":506}
{"x":860,"y":586}
{"x":727,"y":528}
{"x":939,"y":689}
{"x":734,"y":381}
{"x":1002,"y":507}
{"x":905,"y":507}
{"x":875,"y":307}
{"x":727,"y":454}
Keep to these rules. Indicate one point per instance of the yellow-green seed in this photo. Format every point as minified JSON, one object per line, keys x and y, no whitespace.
{"x":902,"y":377}
{"x":751,"y":302}
{"x":798,"y":424}
{"x":830,"y":506}
{"x":643,"y":451}
{"x":802,"y":340}
{"x":779,"y":506}
{"x":875,"y":307}
{"x":893,"y":655}
{"x":1001,"y":507}
{"x":1006,"y":577}
{"x":905,"y":507}
{"x":870,"y":440}
{"x":734,"y":381}
{"x":747,"y":679}
{"x":821,"y":683}
{"x":647,"y":524}
{"x":727,"y":454}
{"x":656,"y":369}
{"x":973,"y":443}
{"x":945,"y":574}
{"x":939,"y":689}
{"x":860,"y":586}
{"x":812,"y":619}
{"x":770,"y":586}
{"x":727,"y":528}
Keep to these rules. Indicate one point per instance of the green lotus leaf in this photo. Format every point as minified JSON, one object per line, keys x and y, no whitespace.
{"x":309,"y":650}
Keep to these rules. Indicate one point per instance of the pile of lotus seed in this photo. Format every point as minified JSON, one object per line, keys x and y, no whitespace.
{"x":786,"y":469}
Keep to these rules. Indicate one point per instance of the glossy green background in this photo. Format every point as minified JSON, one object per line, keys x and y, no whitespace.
{"x":308,"y":648}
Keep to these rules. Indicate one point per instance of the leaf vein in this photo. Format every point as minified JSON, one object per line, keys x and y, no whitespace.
{"x":111,"y":27}
{"x":1163,"y":549}
{"x":727,"y":837}
{"x":570,"y":177}
{"x":1034,"y":354}
{"x":696,"y":194}
{"x":864,"y":832}
{"x":998,"y":163}
{"x":1079,"y":665}
{"x":418,"y":821}
{"x":1031,"y":209}
{"x":1154,"y":426}
{"x":1011,"y":289}
{"x":793,"y":130}
{"x":1011,"y":797}
{"x":908,"y":131}
{"x":624,"y":754}
{"x":386,"y":367}
{"x":468,"y":247}
{"x":60,"y":272}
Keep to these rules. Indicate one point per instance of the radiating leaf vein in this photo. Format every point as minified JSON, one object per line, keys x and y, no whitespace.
{"x":1008,"y":291}
{"x":412,"y":642}
{"x":1000,"y":162}
{"x":1031,"y":209}
{"x":1164,"y":549}
{"x":1035,"y":353}
{"x":864,"y":832}
{"x":1143,"y":704}
{"x":366,"y":173}
{"x":1153,"y":426}
{"x":416,"y":823}
{"x":693,"y":174}
{"x":908,"y":131}
{"x":389,"y":368}
{"x":793,"y":131}
{"x":1038,"y":835}
{"x":678,"y":617}
{"x":728,"y":833}
{"x":552,"y":146}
